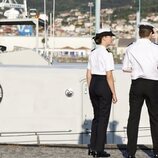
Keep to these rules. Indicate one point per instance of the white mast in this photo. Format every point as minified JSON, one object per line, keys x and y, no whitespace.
{"x":25,"y":8}
{"x":97,"y":15}
{"x":138,"y":19}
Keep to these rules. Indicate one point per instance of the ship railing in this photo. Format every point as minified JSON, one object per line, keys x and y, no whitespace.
{"x":145,"y":130}
{"x":18,"y":48}
{"x":38,"y":134}
{"x":32,"y":133}
{"x":140,"y":128}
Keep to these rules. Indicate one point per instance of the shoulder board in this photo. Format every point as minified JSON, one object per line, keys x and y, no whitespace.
{"x":92,"y":50}
{"x":155,"y":43}
{"x":130,"y":43}
{"x":108,"y":49}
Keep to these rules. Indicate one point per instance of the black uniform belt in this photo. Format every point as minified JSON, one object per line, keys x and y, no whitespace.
{"x":98,"y":76}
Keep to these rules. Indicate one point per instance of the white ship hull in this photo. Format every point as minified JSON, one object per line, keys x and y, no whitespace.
{"x":34,"y":107}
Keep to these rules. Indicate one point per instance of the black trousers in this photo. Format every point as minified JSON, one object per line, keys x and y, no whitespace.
{"x":142,"y":90}
{"x":101,"y":98}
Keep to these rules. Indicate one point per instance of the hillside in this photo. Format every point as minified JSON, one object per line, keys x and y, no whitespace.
{"x":75,"y":4}
{"x":83,"y":4}
{"x":123,"y":7}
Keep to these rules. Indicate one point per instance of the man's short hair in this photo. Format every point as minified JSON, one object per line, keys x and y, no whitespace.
{"x":144,"y":32}
{"x":145,"y":29}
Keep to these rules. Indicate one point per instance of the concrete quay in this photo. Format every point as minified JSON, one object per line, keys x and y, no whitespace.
{"x":66,"y":151}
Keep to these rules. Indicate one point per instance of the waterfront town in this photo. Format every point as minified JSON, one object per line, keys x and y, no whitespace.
{"x":75,"y":24}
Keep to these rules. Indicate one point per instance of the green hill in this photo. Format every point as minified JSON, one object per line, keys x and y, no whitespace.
{"x":62,"y":5}
{"x":122,"y":7}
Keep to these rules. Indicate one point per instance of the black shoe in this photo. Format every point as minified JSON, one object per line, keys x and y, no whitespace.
{"x":91,"y":152}
{"x":156,"y":156}
{"x":130,"y":156}
{"x":101,"y":154}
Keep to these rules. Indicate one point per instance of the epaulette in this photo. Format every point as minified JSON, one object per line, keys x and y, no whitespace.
{"x":156,"y":43}
{"x":109,"y":50}
{"x":92,"y":49}
{"x":131,"y":43}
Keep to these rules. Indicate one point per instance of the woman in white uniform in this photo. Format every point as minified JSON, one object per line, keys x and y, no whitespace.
{"x":101,"y":90}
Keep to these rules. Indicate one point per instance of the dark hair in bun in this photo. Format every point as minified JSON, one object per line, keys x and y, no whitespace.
{"x":98,"y":37}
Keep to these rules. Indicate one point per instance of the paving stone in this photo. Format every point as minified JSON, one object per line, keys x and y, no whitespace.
{"x":66,"y":151}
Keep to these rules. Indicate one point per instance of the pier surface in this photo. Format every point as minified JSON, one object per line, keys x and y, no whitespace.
{"x":66,"y":151}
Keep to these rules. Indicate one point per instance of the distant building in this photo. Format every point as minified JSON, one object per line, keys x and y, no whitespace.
{"x":122,"y":45}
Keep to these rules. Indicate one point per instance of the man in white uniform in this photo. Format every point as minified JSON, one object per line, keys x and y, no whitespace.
{"x":141,"y":59}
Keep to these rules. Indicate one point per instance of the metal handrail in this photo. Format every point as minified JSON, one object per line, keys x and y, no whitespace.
{"x":66,"y":132}
{"x":33,"y":133}
{"x":140,"y":128}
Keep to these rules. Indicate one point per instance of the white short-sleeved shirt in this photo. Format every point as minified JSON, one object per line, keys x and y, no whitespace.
{"x":142,"y":58}
{"x":100,"y":61}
